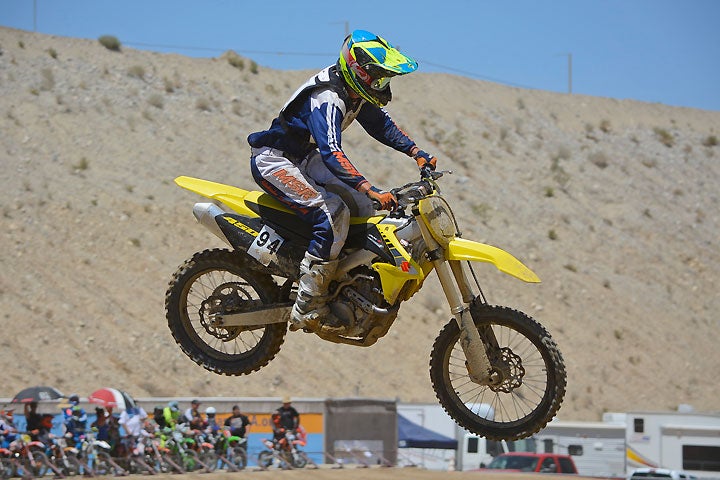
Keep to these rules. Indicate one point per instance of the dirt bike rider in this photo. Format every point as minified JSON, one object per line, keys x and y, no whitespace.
{"x":299,"y":159}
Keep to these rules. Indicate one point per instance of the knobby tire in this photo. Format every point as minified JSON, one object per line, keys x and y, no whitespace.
{"x":248,"y":350}
{"x":529,"y":405}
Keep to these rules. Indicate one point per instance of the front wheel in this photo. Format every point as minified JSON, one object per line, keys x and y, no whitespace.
{"x":218,"y":281}
{"x":265,"y":459}
{"x":529,"y":369}
{"x":238,"y":457}
{"x":299,"y":460}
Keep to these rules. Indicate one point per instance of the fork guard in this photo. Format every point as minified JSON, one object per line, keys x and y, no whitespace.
{"x":462,"y":249}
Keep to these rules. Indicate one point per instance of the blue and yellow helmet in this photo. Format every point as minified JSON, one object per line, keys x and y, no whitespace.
{"x":368,"y":62}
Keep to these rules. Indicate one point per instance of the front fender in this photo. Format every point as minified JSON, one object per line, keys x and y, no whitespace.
{"x":461,"y":249}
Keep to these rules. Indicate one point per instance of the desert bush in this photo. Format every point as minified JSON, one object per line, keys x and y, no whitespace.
{"x":156,"y":100}
{"x":136,"y":71}
{"x":710,"y":141}
{"x":665,"y":137}
{"x":552,"y":234}
{"x":254,"y":67}
{"x":203,"y":104}
{"x":235,"y":60}
{"x":605,"y":126}
{"x":82,"y":165}
{"x":110,"y":42}
{"x":52,"y":52}
{"x":599,"y":159}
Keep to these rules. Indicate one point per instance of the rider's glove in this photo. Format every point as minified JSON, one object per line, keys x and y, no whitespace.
{"x":386,"y":200}
{"x":424,"y":159}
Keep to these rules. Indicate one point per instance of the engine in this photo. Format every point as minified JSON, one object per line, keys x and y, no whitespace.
{"x":360,"y":307}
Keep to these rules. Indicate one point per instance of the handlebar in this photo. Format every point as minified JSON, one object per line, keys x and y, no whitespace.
{"x":413,"y":192}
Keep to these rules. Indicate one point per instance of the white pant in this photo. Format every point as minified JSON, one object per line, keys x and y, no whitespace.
{"x":318,"y":196}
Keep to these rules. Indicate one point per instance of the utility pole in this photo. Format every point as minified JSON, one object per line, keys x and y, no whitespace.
{"x":35,"y":16}
{"x":569,"y":55}
{"x":347,"y":26}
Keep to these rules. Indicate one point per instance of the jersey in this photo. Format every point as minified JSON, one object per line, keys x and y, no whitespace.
{"x":315,"y":116}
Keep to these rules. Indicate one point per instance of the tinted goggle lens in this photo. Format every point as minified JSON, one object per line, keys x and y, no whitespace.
{"x":380,"y":83}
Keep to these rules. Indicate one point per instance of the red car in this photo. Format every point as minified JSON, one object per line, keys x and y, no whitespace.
{"x":532,"y":462}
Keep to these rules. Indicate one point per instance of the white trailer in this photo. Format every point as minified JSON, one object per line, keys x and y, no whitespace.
{"x":674,"y":440}
{"x":597,"y":448}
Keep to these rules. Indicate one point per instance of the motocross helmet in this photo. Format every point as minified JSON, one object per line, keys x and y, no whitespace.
{"x":210,"y":411}
{"x":368,"y":62}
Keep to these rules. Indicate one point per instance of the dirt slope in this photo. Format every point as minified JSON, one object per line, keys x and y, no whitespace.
{"x":612,"y":202}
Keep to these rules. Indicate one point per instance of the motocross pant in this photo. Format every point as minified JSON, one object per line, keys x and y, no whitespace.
{"x":309,"y":188}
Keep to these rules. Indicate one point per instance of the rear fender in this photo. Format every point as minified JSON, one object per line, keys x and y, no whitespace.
{"x":233,"y":197}
{"x":461,"y":249}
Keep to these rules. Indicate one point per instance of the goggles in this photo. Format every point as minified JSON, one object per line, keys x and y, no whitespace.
{"x":380,"y":83}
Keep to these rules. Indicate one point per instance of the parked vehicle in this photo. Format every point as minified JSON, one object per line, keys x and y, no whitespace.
{"x":660,"y":473}
{"x":533,"y":462}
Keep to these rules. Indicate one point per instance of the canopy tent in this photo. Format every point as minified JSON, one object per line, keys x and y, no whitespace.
{"x":412,"y":435}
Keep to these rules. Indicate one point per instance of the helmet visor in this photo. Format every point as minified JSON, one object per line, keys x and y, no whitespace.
{"x":380,"y":84}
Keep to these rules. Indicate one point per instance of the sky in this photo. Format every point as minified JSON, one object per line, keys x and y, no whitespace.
{"x":665,"y":51}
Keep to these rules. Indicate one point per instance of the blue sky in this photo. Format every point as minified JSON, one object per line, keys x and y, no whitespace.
{"x":663,"y":51}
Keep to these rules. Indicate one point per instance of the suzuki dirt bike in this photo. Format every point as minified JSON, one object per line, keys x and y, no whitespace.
{"x":496,"y":371}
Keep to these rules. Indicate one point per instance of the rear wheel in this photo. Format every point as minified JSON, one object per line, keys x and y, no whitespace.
{"x":218,"y":281}
{"x":529,"y":371}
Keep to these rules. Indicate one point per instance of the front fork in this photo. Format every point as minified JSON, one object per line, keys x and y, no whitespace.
{"x":457,"y":290}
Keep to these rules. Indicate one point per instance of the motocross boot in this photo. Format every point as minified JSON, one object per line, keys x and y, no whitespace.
{"x":310,"y":307}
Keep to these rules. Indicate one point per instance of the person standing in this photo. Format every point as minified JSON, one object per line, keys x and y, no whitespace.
{"x":193,"y":416}
{"x":289,"y":417}
{"x":132,"y":419}
{"x":237,"y":422}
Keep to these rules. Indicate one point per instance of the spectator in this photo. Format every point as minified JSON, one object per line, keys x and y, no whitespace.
{"x":7,"y":427}
{"x":159,"y":418}
{"x":237,"y":422}
{"x":101,"y":425}
{"x":171,"y":413}
{"x":113,"y":429}
{"x":132,"y":419}
{"x":72,"y":411}
{"x":211,"y":425}
{"x":35,"y":426}
{"x":193,"y":416}
{"x":289,"y":417}
{"x":75,"y":425}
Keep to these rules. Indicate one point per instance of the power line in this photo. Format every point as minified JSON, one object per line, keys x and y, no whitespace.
{"x":477,"y":75}
{"x":212,"y":49}
{"x":324,"y":54}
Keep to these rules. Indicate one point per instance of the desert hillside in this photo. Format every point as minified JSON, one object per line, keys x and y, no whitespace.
{"x":614,"y":203}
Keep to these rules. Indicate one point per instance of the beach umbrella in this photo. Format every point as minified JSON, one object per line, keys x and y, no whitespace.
{"x":112,"y":397}
{"x":37,"y":394}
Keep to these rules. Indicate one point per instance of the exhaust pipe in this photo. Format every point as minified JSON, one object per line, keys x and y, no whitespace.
{"x":205,"y":214}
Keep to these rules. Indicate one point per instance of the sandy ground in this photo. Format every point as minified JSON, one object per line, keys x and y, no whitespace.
{"x":374,"y":473}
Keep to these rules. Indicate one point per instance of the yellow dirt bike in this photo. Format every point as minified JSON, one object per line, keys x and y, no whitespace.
{"x":495,"y":370}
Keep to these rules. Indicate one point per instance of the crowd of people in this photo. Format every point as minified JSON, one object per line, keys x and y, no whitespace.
{"x":123,"y":430}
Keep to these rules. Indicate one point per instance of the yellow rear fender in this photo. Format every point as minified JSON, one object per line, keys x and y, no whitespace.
{"x":461,"y":249}
{"x":233,"y":197}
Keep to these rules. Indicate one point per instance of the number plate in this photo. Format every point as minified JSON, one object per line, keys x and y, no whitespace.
{"x":264,"y":248}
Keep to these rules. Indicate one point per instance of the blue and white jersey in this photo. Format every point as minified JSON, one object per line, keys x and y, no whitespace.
{"x":315,"y":117}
